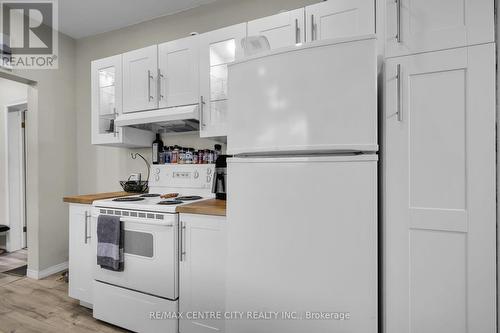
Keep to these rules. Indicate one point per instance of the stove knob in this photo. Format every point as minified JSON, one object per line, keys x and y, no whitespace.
{"x":196,"y":175}
{"x":157,"y":171}
{"x":157,"y":178}
{"x":209,"y":178}
{"x":209,"y":171}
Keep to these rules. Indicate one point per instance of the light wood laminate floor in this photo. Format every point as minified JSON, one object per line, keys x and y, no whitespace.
{"x":13,"y":260}
{"x":28,"y":305}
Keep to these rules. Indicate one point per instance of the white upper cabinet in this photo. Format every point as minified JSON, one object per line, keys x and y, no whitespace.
{"x":178,"y":75}
{"x":193,"y":70}
{"x":106,"y":86}
{"x":339,"y":18}
{"x":283,"y":29}
{"x":217,"y":49}
{"x":140,"y":72}
{"x":106,"y":95}
{"x":439,"y":192}
{"x":414,"y":26}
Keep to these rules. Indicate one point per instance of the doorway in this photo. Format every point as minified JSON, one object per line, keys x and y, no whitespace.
{"x":14,"y":110}
{"x":16,"y":175}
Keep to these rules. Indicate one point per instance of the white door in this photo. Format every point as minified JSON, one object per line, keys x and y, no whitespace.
{"x":439,"y":205}
{"x":340,"y":18}
{"x":178,"y":75}
{"x":140,"y":71}
{"x":218,"y":48}
{"x":414,"y":26}
{"x":81,"y":255}
{"x":106,"y":87}
{"x":202,"y":271}
{"x":16,"y":177}
{"x":302,"y":236}
{"x":283,"y":29}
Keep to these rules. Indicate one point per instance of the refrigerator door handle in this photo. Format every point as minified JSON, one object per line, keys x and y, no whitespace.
{"x":398,"y":77}
{"x":297,"y":32}
{"x":313,"y":28}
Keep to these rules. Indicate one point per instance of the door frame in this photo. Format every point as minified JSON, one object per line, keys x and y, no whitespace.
{"x":18,"y":243}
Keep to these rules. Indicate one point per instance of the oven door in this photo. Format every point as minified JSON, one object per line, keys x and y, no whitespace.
{"x":151,"y":257}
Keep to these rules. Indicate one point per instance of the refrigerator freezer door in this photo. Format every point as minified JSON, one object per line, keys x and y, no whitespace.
{"x":302,"y":237}
{"x":319,"y":97}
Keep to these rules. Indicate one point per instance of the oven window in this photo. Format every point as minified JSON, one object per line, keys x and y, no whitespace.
{"x":138,"y":243}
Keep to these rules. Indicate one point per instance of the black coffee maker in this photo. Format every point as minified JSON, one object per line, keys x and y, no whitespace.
{"x":220,"y":177}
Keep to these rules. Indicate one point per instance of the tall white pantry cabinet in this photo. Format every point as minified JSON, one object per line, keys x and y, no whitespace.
{"x":438,"y":160}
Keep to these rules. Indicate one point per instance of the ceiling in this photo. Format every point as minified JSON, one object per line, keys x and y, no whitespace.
{"x":82,"y":18}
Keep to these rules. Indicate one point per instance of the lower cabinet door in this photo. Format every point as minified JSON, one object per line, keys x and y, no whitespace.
{"x":202,"y":273}
{"x":81,"y":259}
{"x":439,"y":265}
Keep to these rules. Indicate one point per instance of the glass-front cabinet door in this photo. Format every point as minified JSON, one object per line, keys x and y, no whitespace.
{"x":107,"y":104}
{"x":106,"y":99}
{"x":217,"y":49}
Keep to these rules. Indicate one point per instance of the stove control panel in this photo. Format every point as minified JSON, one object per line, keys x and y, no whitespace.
{"x":194,"y":176}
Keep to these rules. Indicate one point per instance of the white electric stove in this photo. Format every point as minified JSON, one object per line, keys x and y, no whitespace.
{"x":149,"y":283}
{"x":192,"y":182}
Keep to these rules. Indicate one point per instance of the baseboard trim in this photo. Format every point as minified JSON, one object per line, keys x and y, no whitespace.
{"x":87,"y":305}
{"x":37,"y":275}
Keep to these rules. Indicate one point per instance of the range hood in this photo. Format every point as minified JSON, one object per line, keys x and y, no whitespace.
{"x":174,"y":119}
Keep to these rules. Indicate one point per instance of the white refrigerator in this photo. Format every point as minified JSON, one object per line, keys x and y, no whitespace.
{"x":302,"y":190}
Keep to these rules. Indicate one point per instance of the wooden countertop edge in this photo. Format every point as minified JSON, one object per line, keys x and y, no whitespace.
{"x":206,"y":207}
{"x":88,"y":199}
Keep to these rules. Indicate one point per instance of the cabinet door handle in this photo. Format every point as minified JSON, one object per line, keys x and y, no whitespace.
{"x":297,"y":32}
{"x":115,"y":131}
{"x":398,"y":20}
{"x":87,"y":218}
{"x":183,"y":241}
{"x":398,"y":77}
{"x":180,"y":241}
{"x":202,"y":121}
{"x":160,"y":78}
{"x":150,"y":98}
{"x":313,"y":28}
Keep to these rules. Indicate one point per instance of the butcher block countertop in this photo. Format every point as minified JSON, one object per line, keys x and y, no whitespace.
{"x":88,"y":199}
{"x":204,"y":207}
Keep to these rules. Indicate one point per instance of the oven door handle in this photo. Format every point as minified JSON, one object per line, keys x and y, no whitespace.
{"x":142,"y":221}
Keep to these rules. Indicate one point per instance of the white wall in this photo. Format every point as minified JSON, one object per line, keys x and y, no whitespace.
{"x":51,"y":162}
{"x":497,"y":40}
{"x":100,"y":168}
{"x":10,"y":92}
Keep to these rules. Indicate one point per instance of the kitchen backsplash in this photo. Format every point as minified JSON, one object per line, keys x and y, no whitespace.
{"x":190,"y":140}
{"x":115,"y":164}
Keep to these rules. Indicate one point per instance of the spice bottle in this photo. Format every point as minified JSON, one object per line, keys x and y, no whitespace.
{"x":182,"y":156}
{"x":189,"y":156}
{"x":205,"y":156}
{"x":175,"y":155}
{"x":200,"y":156}
{"x":195,"y":156}
{"x":167,"y":154}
